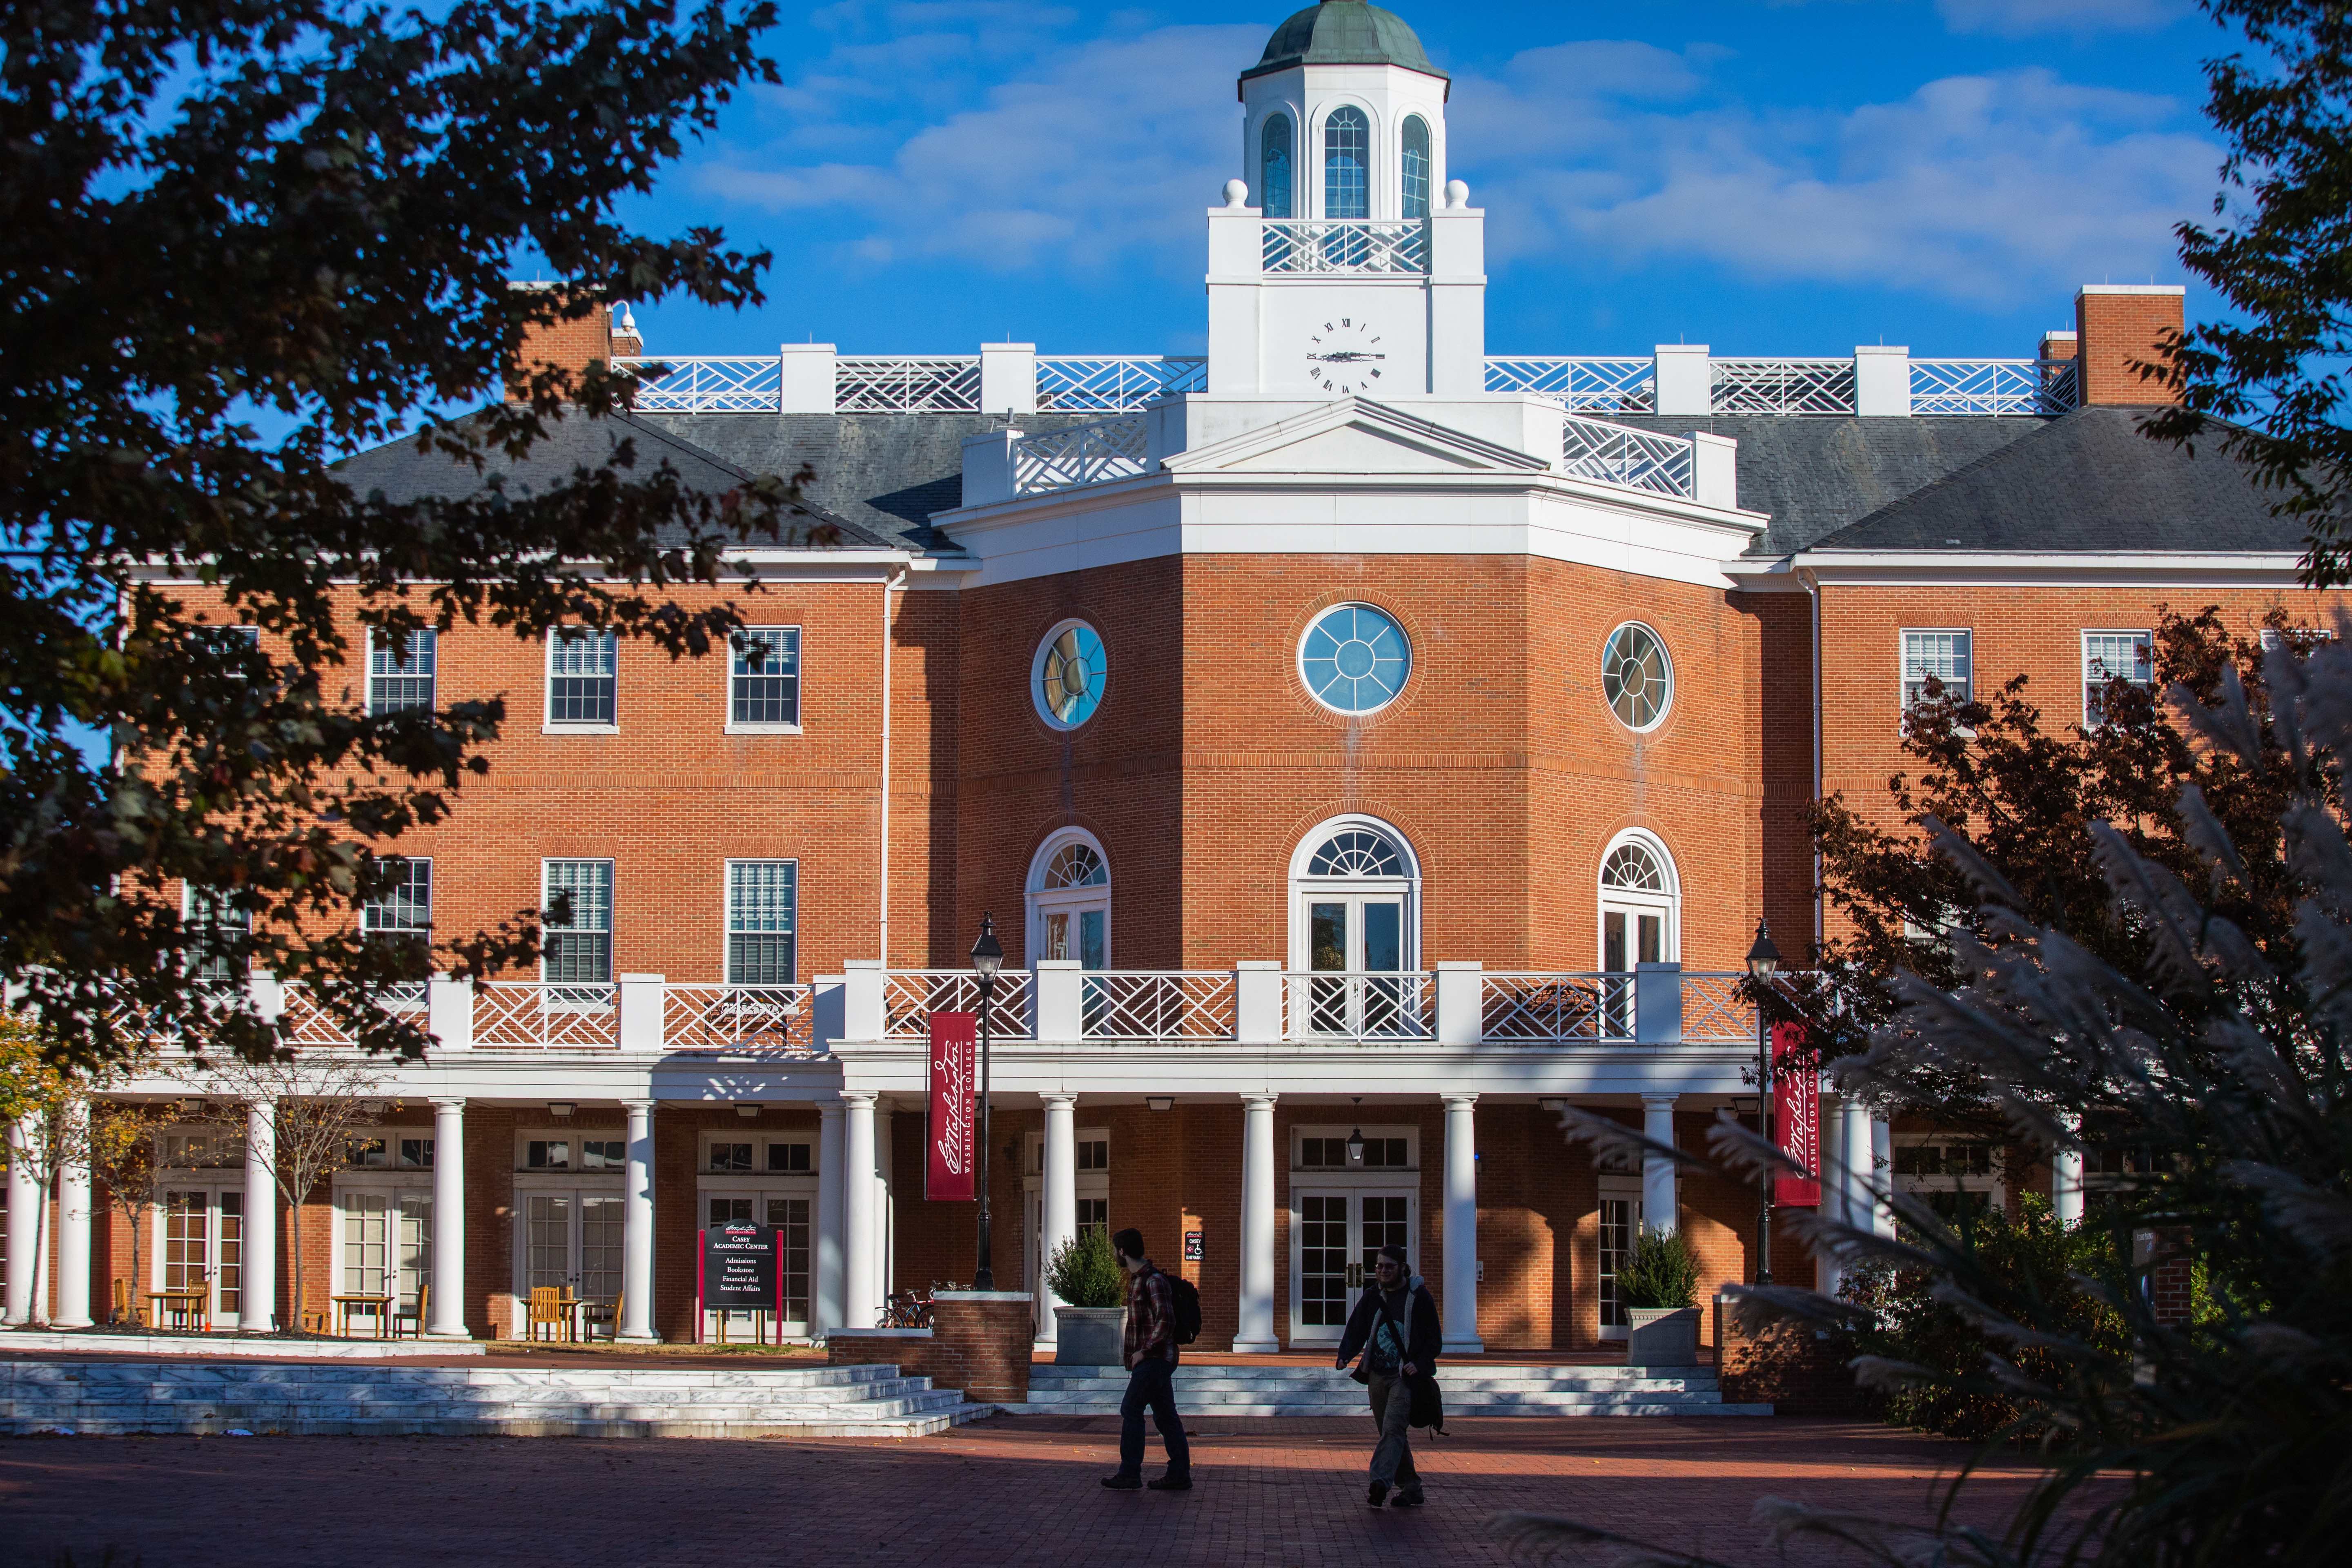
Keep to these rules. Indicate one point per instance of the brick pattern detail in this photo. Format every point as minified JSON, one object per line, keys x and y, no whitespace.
{"x":569,"y":345}
{"x":978,"y":1345}
{"x":2116,"y":336}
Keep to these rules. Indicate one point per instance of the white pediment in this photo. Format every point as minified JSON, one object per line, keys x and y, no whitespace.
{"x":1358,"y":438}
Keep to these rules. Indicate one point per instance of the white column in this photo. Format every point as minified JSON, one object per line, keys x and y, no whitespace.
{"x":885,"y":1208}
{"x":637,"y":1227}
{"x":1061,"y":1194}
{"x":448,"y":1318}
{"x":73,"y":1229}
{"x":1256,"y":1333}
{"x":24,"y":1201}
{"x":1855,"y":1160}
{"x":827,"y":1305}
{"x":2067,"y":1182}
{"x":861,"y":1305}
{"x":1882,"y":1167}
{"x":1460,"y":1311}
{"x":1660,"y":1212}
{"x":258,"y":1290}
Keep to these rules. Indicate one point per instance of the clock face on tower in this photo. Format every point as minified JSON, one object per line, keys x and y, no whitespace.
{"x":1347,"y":356}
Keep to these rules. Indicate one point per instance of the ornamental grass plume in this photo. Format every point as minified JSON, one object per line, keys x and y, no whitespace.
{"x":2157,"y":1438}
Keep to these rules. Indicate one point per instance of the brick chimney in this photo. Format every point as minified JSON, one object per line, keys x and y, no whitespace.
{"x":2119,"y":327}
{"x":2058,"y":345}
{"x":569,"y":345}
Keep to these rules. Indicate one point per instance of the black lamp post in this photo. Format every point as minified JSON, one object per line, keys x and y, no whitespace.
{"x":1763,"y":959}
{"x":987,"y":958}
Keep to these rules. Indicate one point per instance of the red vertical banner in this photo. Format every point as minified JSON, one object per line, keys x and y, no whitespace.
{"x":1796,"y":1117}
{"x":950,"y":1140}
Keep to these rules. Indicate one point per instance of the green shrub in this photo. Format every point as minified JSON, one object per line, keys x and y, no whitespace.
{"x":1085,"y":1272}
{"x":1663,"y":1272}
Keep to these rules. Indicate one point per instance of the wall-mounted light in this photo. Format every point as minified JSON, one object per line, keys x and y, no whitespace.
{"x":1160,"y":1101}
{"x":1356,"y":1147}
{"x":1554,"y":1103}
{"x":747,"y":1108}
{"x":371,"y":1107}
{"x":560,"y":1106}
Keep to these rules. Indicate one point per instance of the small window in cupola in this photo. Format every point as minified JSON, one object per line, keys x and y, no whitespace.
{"x":1274,"y":179}
{"x":1415,"y":165}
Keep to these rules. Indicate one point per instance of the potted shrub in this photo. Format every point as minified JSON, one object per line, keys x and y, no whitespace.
{"x":1090,"y":1330}
{"x":1659,"y":1286}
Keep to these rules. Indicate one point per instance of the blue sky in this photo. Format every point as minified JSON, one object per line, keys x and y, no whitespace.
{"x":1772,"y":176}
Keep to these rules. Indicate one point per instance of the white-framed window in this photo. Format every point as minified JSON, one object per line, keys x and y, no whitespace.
{"x":1324,"y":1150}
{"x":1414,"y":168}
{"x":1276,"y":164}
{"x":403,"y":914}
{"x":576,"y":948}
{"x":763,"y":681}
{"x":1346,"y":164}
{"x":1641,"y":904}
{"x":1342,"y":1213}
{"x":1355,"y":659}
{"x":1943,"y":655}
{"x":1955,"y":1174}
{"x":765,"y":1178}
{"x":1068,"y":674}
{"x":1355,"y":899}
{"x":200,"y":1242}
{"x":597,"y":1152}
{"x":583,"y":668}
{"x":1069,"y":900}
{"x":2302,"y":639}
{"x":2112,"y":656}
{"x":214,"y":925}
{"x":1620,"y":1226}
{"x":401,"y":676}
{"x":387,"y":1149}
{"x":1637,"y":678}
{"x":762,"y":922}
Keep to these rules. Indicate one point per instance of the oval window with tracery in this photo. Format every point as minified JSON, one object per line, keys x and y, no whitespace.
{"x":1357,"y":852}
{"x":1354,"y":658}
{"x":1633,"y":868}
{"x":1075,"y":866}
{"x":1635,"y":676}
{"x":1068,"y":675}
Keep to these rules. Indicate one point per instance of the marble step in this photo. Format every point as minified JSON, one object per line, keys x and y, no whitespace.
{"x":1215,"y":1390}
{"x":311,"y":1393}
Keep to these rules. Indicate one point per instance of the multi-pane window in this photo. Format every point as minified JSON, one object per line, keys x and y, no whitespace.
{"x":403,"y":914}
{"x":2111,"y":657}
{"x":400,"y":673}
{"x":417,"y":1152}
{"x":1940,"y":656}
{"x":1416,"y":167}
{"x":764,"y":676}
{"x":731,"y":1156}
{"x":1331,"y":1154}
{"x":1347,"y":164}
{"x":1093,"y":1153}
{"x":214,"y":926}
{"x":1274,"y":180}
{"x":789,"y":1159}
{"x":1618,"y":1220}
{"x":582,"y":671}
{"x":555,"y":1153}
{"x":577,"y":928}
{"x":762,"y":915}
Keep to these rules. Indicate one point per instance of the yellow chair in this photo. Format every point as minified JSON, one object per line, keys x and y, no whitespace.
{"x":607,"y":1314}
{"x":413,"y":1316}
{"x":546,"y":1309}
{"x":127,"y":1310}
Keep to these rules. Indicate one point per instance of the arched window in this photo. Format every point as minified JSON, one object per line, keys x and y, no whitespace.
{"x":1355,"y":917}
{"x":1347,"y":164}
{"x":1640,"y":904}
{"x":1273,"y":182}
{"x":1069,"y":900}
{"x":1415,"y":165}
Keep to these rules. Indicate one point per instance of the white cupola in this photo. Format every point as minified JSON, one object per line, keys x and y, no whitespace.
{"x":1344,"y":117}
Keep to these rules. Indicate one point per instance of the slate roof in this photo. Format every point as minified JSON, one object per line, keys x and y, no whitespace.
{"x":2085,"y":481}
{"x":404,"y":474}
{"x":1343,"y":32}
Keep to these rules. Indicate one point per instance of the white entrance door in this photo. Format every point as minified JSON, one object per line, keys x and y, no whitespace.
{"x":1360,"y":936}
{"x":790,"y":1217}
{"x":201,"y":1245}
{"x":574,"y":1238}
{"x":1339,"y":1233}
{"x":1621,"y":1224}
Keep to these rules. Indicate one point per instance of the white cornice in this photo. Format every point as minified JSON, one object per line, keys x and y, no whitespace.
{"x":1961,"y":568}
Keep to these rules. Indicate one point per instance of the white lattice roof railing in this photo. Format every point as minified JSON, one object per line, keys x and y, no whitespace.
{"x":726,"y":383}
{"x":945,"y":384}
{"x":1080,"y":454}
{"x":1993,"y":386}
{"x":1345,"y":245}
{"x":1583,"y":384}
{"x":1782,"y":386}
{"x":1114,"y":383}
{"x":1620,"y":455}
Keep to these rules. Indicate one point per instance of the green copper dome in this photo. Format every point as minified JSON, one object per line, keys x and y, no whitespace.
{"x":1344,"y":33}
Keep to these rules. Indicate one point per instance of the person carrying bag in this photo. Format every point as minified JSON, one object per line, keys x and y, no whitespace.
{"x":1395,"y":1330}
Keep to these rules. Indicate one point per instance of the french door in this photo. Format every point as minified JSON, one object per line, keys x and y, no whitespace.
{"x":200,"y":1237}
{"x":788,"y":1216}
{"x":1340,"y":1236}
{"x":1358,"y":939}
{"x":387,"y":1243}
{"x":574,"y":1238}
{"x":1621,"y":1224}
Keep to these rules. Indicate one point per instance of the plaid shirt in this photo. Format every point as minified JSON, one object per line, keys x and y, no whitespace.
{"x":1151,"y":1316}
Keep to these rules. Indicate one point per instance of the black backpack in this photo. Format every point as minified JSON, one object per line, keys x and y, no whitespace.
{"x":1185,"y":1297}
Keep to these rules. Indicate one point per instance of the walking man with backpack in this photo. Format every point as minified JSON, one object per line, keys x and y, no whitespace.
{"x":1156,"y":1323}
{"x":1395,"y":1328}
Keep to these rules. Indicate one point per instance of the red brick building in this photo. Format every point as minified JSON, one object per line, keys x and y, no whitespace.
{"x":1363,"y":744}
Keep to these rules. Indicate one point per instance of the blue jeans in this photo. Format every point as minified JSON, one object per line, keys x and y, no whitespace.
{"x":1152,"y":1384}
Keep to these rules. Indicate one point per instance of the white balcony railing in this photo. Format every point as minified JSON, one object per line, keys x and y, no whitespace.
{"x":1782,"y":386}
{"x":1993,"y":386}
{"x":510,"y":1014}
{"x":910,"y":997}
{"x":750,"y":1019}
{"x":1345,"y":245}
{"x":1584,"y":384}
{"x":1381,"y":1004}
{"x":1618,"y":455}
{"x":1553,"y":1009}
{"x":1096,"y":383}
{"x":1160,"y":1006}
{"x":1080,"y":454}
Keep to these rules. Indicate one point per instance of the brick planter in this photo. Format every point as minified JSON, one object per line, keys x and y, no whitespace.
{"x":979,"y":1342}
{"x":1793,"y":1367}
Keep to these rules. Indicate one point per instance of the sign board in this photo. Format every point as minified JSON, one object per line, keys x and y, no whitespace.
{"x":951,"y":1142}
{"x":1193,"y":1251}
{"x":1796,"y":1117}
{"x":739,"y":1268}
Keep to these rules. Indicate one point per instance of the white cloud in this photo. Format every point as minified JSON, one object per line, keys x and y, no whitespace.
{"x":2017,"y":18}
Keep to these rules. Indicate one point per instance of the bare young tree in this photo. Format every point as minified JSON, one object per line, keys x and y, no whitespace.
{"x":315,"y":1101}
{"x":127,"y":1156}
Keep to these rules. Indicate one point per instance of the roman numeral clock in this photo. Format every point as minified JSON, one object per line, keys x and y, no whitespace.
{"x":1347,"y":357}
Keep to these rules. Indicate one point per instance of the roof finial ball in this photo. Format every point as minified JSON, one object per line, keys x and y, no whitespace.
{"x":1457,"y":193}
{"x":1236,"y":194}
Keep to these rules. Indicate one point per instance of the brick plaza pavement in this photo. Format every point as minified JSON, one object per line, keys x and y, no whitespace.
{"x":1014,"y":1490}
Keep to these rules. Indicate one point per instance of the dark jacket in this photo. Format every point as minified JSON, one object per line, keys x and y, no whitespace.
{"x":1422,"y":1336}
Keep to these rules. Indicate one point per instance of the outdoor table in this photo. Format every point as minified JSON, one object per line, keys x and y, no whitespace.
{"x":183,"y":1306}
{"x":347,"y":1305}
